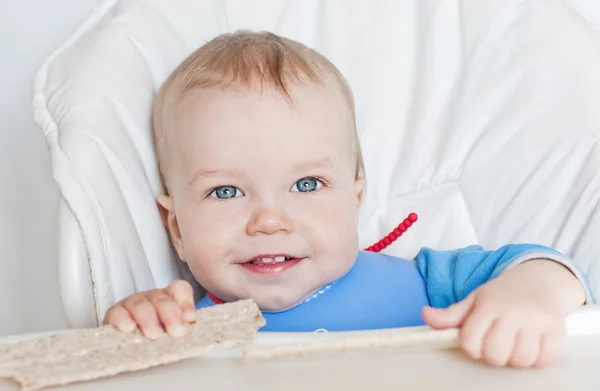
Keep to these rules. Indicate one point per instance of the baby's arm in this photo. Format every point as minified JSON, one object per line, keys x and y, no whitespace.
{"x":153,"y":311}
{"x":510,"y":304}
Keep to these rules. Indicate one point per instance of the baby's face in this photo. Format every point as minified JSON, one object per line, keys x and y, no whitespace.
{"x":264,"y":201}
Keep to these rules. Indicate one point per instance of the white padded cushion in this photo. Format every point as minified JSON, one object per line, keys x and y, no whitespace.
{"x":484,"y":121}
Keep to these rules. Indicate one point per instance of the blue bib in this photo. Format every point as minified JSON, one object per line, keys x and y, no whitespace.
{"x":380,"y":291}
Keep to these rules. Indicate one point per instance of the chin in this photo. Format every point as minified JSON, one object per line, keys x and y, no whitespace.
{"x":276,"y":302}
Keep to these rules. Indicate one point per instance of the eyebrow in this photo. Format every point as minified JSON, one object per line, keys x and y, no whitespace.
{"x":201,"y":174}
{"x":324,"y":162}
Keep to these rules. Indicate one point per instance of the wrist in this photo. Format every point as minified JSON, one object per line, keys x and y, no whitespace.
{"x":555,"y":282}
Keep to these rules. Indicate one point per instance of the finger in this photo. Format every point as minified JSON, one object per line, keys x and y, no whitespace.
{"x":473,"y":331}
{"x":169,"y":313}
{"x":181,"y":291}
{"x":551,"y":346}
{"x":120,"y":318}
{"x":526,"y":350}
{"x":144,"y":314}
{"x":499,"y":342}
{"x":453,"y":316}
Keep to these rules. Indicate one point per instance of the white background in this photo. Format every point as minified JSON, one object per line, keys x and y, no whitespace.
{"x":30,"y":30}
{"x":590,"y":7}
{"x":29,"y":301}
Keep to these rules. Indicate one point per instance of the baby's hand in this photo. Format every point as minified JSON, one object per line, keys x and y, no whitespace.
{"x":171,"y":309}
{"x":518,"y":319}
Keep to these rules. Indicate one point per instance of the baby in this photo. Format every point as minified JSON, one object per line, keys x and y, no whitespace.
{"x":258,"y":150}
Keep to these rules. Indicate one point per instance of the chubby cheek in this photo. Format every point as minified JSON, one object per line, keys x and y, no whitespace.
{"x":332,"y":231}
{"x":207,"y":236}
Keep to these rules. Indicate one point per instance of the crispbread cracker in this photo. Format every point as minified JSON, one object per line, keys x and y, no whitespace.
{"x":94,"y":353}
{"x":398,"y":340}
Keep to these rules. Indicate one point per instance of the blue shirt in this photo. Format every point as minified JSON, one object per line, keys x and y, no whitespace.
{"x":382,"y":291}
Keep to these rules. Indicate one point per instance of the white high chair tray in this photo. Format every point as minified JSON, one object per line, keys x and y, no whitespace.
{"x":224,"y":370}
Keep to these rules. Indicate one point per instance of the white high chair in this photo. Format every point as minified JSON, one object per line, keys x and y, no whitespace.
{"x":481,"y":116}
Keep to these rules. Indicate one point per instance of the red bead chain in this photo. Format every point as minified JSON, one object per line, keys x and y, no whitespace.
{"x":395,"y":234}
{"x":215,"y":299}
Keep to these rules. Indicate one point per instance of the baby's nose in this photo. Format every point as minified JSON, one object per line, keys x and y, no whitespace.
{"x":268,"y":220}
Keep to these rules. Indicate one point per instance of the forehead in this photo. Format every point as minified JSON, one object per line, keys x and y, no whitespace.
{"x":215,"y":125}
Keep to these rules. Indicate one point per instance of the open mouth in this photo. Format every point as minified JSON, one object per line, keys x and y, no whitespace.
{"x":271,"y":264}
{"x":270,"y":260}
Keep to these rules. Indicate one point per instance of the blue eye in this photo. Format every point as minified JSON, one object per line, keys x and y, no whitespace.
{"x":225,"y":192}
{"x":307,"y":185}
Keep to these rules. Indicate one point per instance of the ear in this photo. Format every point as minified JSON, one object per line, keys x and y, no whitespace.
{"x":359,"y":190}
{"x":167,"y":213}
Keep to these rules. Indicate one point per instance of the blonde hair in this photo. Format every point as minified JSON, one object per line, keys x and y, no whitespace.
{"x":246,"y":60}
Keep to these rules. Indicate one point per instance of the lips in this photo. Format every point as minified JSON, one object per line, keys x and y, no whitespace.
{"x":270,"y":260}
